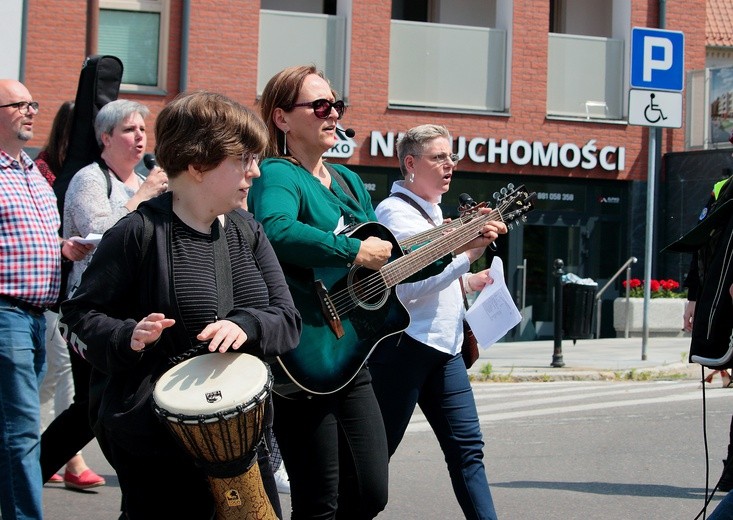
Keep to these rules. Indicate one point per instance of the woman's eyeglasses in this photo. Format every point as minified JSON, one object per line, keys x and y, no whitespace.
{"x":23,"y":106}
{"x":322,"y":107}
{"x":441,"y":158}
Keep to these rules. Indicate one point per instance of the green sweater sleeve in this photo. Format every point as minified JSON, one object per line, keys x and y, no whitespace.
{"x":299,"y":215}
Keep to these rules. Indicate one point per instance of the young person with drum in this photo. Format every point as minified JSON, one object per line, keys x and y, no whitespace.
{"x":187,"y":276}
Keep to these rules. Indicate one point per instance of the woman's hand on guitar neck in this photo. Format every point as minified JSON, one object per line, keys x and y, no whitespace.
{"x":489,"y":233}
{"x":373,"y":253}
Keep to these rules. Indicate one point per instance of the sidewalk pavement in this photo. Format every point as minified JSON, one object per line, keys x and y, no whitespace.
{"x":589,"y":359}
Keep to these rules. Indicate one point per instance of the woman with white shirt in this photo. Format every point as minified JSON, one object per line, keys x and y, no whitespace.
{"x":106,"y":190}
{"x":423,"y":365}
{"x":97,"y":197}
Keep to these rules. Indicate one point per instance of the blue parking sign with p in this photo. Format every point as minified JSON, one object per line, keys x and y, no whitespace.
{"x":657,"y":59}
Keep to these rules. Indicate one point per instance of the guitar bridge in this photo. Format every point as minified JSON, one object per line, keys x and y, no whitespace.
{"x":329,"y":310}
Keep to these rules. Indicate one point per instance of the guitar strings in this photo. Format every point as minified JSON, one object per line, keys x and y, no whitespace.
{"x":376,"y":283}
{"x":438,"y":231}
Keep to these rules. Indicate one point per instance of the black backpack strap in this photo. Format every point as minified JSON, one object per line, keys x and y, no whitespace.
{"x":223,"y":268}
{"x":105,"y":170}
{"x":241,"y":222}
{"x":336,"y":176}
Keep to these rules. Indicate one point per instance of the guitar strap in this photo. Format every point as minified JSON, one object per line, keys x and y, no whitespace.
{"x":336,"y":176}
{"x":414,"y":204}
{"x":424,"y":213}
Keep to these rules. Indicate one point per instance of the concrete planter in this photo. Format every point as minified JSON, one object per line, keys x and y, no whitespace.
{"x":665,"y":316}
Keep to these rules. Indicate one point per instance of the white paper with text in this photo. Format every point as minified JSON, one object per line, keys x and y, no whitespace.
{"x":494,"y":313}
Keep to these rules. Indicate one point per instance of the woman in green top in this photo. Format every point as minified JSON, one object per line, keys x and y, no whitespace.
{"x":333,"y":443}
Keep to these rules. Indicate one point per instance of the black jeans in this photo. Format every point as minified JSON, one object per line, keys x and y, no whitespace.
{"x":335,"y":450}
{"x":70,"y":431}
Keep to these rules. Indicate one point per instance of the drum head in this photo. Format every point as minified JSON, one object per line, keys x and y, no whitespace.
{"x":211,"y":383}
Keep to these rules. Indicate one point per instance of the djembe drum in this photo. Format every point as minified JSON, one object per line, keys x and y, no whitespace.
{"x":214,"y":405}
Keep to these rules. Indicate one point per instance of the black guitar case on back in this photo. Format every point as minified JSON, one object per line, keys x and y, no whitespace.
{"x":99,"y":83}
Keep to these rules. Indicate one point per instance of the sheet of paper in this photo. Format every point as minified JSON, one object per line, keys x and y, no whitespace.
{"x":494,"y":313}
{"x":91,"y":238}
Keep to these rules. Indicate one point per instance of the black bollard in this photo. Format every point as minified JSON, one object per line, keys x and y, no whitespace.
{"x":557,"y":352}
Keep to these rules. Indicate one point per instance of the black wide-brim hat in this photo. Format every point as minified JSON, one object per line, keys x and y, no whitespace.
{"x":697,"y":236}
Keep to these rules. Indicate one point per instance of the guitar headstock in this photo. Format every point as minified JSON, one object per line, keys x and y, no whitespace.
{"x":513,"y":203}
{"x":470,"y":211}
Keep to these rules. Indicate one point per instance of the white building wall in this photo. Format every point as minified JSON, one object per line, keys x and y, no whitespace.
{"x":11,"y":13}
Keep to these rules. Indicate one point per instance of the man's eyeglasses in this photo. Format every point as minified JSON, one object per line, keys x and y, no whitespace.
{"x":441,"y":158}
{"x":248,"y":159}
{"x":23,"y":106}
{"x":322,"y":107}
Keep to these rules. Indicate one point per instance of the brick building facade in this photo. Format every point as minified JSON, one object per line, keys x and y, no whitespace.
{"x":586,"y":212}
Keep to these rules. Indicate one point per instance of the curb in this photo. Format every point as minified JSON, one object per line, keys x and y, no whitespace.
{"x":673,"y":371}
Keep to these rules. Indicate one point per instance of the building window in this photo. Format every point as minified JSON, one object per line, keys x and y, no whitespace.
{"x":136,"y":31}
{"x":454,"y":50}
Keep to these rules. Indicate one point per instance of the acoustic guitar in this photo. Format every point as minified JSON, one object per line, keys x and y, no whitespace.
{"x":347,"y":312}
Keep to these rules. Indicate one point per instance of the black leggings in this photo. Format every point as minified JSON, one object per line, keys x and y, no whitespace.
{"x":335,"y":450}
{"x":70,"y":431}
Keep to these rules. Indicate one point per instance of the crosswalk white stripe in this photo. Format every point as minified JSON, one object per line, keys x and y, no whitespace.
{"x":420,"y":424}
{"x":486,"y":394}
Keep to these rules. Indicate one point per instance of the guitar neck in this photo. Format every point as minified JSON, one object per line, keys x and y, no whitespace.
{"x":404,"y":267}
{"x":432,"y":233}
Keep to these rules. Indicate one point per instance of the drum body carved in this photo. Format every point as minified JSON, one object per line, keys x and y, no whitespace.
{"x":214,"y":405}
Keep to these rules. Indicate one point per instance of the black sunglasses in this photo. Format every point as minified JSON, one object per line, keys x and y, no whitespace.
{"x":322,"y":107}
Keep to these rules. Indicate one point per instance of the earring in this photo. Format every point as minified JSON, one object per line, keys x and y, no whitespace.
{"x":411,"y":177}
{"x":285,"y":143}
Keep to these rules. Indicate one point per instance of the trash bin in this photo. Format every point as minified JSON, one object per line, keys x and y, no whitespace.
{"x":578,"y":302}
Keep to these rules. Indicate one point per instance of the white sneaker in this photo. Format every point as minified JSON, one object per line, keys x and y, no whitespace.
{"x":282,"y":480}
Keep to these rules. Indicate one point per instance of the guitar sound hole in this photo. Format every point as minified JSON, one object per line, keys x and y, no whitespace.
{"x":367,"y":292}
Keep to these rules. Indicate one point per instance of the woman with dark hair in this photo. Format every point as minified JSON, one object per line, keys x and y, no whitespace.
{"x":58,"y":386}
{"x":52,"y":155}
{"x":149,"y":299}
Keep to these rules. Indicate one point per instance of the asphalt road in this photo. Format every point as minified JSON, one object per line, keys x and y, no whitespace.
{"x":554,"y":451}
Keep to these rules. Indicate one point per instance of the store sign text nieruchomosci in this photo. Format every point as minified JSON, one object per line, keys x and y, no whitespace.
{"x":588,"y":156}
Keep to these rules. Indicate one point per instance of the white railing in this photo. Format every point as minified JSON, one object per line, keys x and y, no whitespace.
{"x":585,"y":77}
{"x":627,"y":267}
{"x":290,"y":38}
{"x":447,"y":66}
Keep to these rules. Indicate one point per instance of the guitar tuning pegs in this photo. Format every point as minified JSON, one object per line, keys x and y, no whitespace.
{"x":510,"y":226}
{"x":503,"y":191}
{"x":496,"y":195}
{"x":510,"y":186}
{"x":524,"y":218}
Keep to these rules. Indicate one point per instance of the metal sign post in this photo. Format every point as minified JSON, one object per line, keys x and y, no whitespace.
{"x":657,"y":67}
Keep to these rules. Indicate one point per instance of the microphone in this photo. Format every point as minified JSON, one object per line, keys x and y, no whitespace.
{"x":466,"y":201}
{"x":349,"y":132}
{"x":149,"y":161}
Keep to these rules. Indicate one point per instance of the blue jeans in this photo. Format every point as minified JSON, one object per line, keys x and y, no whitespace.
{"x":406,"y":373}
{"x":22,"y":367}
{"x":724,"y":511}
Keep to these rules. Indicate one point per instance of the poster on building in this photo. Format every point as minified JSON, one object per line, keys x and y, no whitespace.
{"x":721,"y":104}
